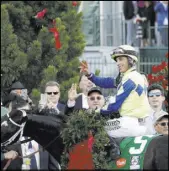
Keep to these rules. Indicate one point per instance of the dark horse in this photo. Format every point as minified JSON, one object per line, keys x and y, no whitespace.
{"x":46,"y":129}
{"x":43,"y":129}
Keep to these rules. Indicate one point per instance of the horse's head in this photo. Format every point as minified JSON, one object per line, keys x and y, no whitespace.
{"x":12,"y":123}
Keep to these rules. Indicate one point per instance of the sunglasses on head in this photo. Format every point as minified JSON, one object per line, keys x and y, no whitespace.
{"x":158,"y":94}
{"x":93,"y":98}
{"x":50,"y":93}
{"x":163,"y":123}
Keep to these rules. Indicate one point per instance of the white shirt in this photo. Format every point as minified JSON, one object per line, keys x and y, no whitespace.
{"x":26,"y":151}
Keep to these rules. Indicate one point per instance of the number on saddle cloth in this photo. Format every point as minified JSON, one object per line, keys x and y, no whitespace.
{"x":132,"y":153}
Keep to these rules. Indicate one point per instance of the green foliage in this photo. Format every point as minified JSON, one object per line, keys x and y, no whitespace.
{"x":13,"y":60}
{"x":34,"y":39}
{"x":79,"y":123}
{"x":97,"y":72}
{"x":35,"y":95}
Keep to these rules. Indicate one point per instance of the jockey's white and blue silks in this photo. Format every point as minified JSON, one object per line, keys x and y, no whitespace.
{"x":131,"y":99}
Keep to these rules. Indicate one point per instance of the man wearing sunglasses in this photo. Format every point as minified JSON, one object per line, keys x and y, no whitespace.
{"x":51,"y":97}
{"x":131,"y":99}
{"x":161,"y":124}
{"x":156,"y":100}
{"x":95,"y":98}
{"x":156,"y":97}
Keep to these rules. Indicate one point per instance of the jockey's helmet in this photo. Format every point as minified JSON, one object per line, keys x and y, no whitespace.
{"x":124,"y":50}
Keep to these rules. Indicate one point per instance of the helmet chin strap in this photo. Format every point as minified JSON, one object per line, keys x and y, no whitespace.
{"x":20,"y":131}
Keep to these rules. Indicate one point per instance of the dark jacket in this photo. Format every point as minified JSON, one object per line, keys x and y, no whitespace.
{"x":78,"y":105}
{"x":61,"y":107}
{"x":128,"y":10}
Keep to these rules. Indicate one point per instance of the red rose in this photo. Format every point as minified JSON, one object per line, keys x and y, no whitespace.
{"x":149,"y":76}
{"x":163,"y":64}
{"x":159,"y":68}
{"x":161,"y":77}
{"x":166,"y":55}
{"x":154,"y":69}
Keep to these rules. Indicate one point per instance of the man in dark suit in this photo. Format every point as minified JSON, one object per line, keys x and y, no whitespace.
{"x":50,"y":99}
{"x":79,"y":101}
{"x":42,"y":159}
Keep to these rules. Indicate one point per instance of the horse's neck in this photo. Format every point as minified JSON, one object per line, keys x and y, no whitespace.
{"x":44,"y":130}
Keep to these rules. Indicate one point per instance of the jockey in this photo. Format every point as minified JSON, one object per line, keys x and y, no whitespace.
{"x":130,"y":101}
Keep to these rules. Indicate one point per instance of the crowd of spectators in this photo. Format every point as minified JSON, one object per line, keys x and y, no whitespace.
{"x":146,"y":23}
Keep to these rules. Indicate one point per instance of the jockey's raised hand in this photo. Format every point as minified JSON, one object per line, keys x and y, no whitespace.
{"x":72,"y":93}
{"x":84,"y":68}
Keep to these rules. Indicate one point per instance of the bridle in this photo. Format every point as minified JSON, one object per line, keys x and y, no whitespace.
{"x":20,"y":131}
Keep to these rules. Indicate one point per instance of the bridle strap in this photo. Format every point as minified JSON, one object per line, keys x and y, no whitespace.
{"x":13,"y":122}
{"x":20,"y":131}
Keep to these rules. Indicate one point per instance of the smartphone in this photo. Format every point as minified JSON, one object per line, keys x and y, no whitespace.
{"x":43,"y":99}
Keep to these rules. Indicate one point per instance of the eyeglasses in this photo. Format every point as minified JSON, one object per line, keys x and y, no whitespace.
{"x":122,"y":51}
{"x":93,"y":98}
{"x":158,"y":94}
{"x":54,"y":93}
{"x":163,"y":123}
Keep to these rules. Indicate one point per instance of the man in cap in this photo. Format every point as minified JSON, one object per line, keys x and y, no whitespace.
{"x":131,"y":100}
{"x":161,"y":124}
{"x":95,"y":98}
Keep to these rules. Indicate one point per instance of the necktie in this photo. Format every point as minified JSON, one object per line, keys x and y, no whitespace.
{"x":33,"y":164}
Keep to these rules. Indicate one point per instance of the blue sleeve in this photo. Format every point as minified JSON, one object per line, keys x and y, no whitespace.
{"x":156,"y":8}
{"x":128,"y":86}
{"x":108,"y":82}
